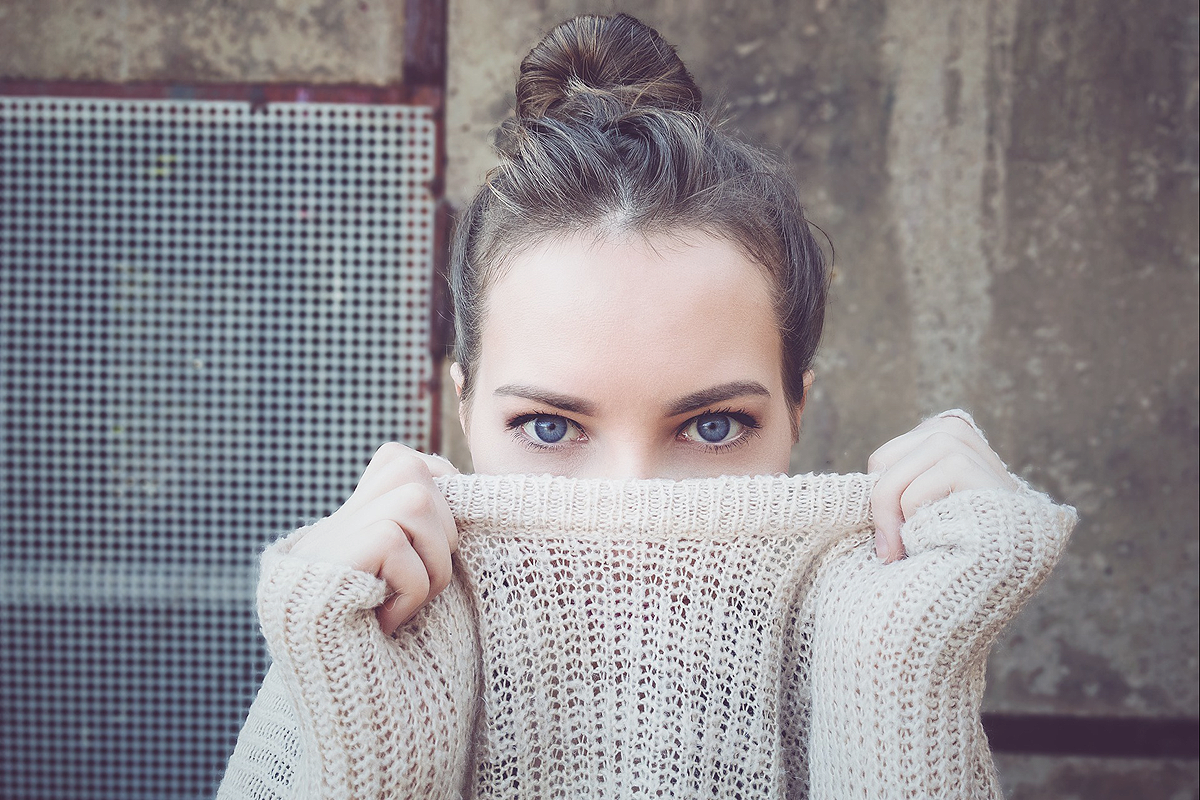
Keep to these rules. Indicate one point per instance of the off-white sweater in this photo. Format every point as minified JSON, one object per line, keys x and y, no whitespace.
{"x":716,"y":638}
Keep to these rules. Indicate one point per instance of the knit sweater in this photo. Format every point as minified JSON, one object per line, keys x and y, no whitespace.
{"x":714,"y":638}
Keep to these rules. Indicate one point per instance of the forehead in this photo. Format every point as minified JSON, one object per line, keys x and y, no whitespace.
{"x":615,"y":311}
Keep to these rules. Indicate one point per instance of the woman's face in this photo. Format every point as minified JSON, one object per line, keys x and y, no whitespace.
{"x":625,"y":356}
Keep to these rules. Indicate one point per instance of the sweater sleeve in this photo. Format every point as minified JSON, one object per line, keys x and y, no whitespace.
{"x":267,"y":754}
{"x":900,"y":650}
{"x":347,"y":711}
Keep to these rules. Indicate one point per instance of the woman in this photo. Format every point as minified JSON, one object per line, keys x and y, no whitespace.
{"x":637,"y":295}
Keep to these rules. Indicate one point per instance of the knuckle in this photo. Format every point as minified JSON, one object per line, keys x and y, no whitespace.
{"x":414,"y":499}
{"x":945,"y":440}
{"x":389,"y":451}
{"x":958,"y":463}
{"x":408,"y":468}
{"x":390,"y":533}
{"x":416,"y":469}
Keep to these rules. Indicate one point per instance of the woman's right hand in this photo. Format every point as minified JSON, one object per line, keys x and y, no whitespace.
{"x":396,"y":526}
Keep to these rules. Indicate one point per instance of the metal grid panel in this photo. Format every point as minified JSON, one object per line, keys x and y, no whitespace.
{"x":211,"y":315}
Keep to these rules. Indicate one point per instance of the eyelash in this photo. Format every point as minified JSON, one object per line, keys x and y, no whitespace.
{"x":515,"y":423}
{"x":750,"y":425}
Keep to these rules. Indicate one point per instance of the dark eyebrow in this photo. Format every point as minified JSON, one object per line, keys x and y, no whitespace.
{"x":716,"y":394}
{"x":562,"y":401}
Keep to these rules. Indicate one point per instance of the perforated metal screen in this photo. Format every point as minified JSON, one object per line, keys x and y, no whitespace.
{"x":212,"y":315}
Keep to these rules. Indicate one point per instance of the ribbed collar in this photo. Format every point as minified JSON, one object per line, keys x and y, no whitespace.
{"x":537,"y":506}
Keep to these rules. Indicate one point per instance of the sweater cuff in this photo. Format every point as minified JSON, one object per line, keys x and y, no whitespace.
{"x":305,"y":606}
{"x":319,"y":622}
{"x":1022,"y":529}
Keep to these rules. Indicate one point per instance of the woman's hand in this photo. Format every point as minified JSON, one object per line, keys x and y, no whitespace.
{"x":397,"y":526}
{"x":941,"y":455}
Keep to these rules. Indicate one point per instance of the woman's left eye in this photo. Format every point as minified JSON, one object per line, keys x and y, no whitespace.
{"x":715,"y":428}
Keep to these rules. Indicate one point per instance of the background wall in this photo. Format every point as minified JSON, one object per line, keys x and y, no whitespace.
{"x":1012,"y":191}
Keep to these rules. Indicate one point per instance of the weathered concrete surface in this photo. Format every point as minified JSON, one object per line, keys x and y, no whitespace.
{"x":1012,"y":191}
{"x":1095,"y":330}
{"x":327,"y":41}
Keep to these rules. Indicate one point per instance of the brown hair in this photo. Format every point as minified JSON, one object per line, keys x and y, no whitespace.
{"x":609,"y":136}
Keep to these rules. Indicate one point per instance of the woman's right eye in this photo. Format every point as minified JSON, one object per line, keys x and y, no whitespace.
{"x":549,"y":429}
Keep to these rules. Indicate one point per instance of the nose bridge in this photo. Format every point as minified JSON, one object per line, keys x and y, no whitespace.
{"x":629,"y":457}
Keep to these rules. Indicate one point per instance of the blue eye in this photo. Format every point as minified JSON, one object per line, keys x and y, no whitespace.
{"x":548,"y":429}
{"x":714,"y":428}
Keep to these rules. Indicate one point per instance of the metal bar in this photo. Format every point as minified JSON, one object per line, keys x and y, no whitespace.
{"x":254,"y":93}
{"x":425,"y":43}
{"x":1118,"y":737}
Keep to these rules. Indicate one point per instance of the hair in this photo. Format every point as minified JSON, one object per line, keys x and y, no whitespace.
{"x":609,"y":136}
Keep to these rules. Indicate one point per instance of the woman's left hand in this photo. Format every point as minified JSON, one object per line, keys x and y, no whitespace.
{"x":940,"y":456}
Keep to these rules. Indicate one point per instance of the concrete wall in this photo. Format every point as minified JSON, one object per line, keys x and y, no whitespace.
{"x":1012,"y":191}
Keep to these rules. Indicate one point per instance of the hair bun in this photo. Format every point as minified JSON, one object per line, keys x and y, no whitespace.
{"x":616,"y":61}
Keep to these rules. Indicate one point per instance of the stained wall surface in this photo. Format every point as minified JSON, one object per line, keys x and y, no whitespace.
{"x":1011,"y":188}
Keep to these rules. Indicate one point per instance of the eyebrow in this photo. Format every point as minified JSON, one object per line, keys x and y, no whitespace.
{"x":567,"y":403}
{"x":687,"y":403}
{"x":716,"y":394}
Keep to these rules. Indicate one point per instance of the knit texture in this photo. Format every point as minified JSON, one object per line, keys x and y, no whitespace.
{"x":715,"y":638}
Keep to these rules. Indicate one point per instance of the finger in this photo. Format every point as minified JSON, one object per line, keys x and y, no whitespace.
{"x":948,"y":439}
{"x":393,"y":466}
{"x":421,"y":511}
{"x":405,"y":575}
{"x":384,"y":455}
{"x":965,"y":432}
{"x":886,"y":504}
{"x":439,"y":466}
{"x":957,"y":472}
{"x":956,"y":427}
{"x":885,"y":508}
